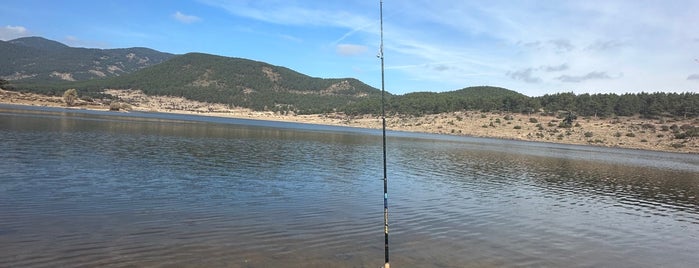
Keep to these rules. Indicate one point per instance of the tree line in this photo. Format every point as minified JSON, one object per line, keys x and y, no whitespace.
{"x":606,"y":105}
{"x":497,"y":99}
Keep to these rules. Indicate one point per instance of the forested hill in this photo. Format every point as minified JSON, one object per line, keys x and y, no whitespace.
{"x":484,"y":98}
{"x":246,"y":83}
{"x":39,"y":60}
{"x":237,"y":82}
{"x":43,"y":66}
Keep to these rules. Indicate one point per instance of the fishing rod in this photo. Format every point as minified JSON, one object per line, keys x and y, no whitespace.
{"x":383,"y":121}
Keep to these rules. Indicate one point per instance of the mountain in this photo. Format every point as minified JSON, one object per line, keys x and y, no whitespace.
{"x":237,"y":82}
{"x":39,"y":60}
{"x":243,"y":82}
{"x":39,"y":43}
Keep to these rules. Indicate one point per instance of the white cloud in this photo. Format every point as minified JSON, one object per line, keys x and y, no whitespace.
{"x":185,"y":18}
{"x":10,"y":32}
{"x":521,"y":44}
{"x":350,"y":49}
{"x":693,"y":77}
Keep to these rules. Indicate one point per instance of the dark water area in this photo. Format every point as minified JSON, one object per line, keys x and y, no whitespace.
{"x":102,"y":189}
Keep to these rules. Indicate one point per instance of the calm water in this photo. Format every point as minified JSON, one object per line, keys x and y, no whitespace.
{"x":89,"y":189}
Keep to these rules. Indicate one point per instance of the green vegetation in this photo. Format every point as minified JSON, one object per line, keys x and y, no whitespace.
{"x":40,"y":61}
{"x":42,"y":66}
{"x":481,"y":98}
{"x":649,"y":105}
{"x":233,"y":81}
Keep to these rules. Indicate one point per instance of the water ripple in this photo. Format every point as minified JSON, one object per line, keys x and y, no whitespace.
{"x":108,"y":192}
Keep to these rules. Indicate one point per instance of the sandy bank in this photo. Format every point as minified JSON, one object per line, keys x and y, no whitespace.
{"x":623,"y":132}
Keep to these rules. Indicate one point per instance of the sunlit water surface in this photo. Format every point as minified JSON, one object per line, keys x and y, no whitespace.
{"x":94,"y":189}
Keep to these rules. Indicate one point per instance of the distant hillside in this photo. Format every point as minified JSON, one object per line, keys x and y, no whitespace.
{"x":39,"y":60}
{"x":483,"y":98}
{"x":39,"y":65}
{"x":233,"y":81}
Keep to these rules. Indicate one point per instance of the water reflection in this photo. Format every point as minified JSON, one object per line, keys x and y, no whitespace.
{"x":94,"y":190}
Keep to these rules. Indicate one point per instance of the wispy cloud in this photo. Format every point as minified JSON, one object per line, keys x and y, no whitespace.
{"x":693,"y":77}
{"x":454,"y":44}
{"x":291,"y":38}
{"x":589,"y":76}
{"x":183,"y":18}
{"x":605,"y":45}
{"x":10,"y":32}
{"x":525,"y":75}
{"x":555,"y":68}
{"x":350,"y":49}
{"x":291,"y":13}
{"x":562,"y":45}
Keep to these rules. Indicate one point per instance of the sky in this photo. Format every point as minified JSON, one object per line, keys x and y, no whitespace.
{"x":533,"y":47}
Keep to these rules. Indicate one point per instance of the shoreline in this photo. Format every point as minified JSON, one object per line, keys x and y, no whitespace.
{"x":616,"y":132}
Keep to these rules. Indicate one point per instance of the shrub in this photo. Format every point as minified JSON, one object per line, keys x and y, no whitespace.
{"x":630,"y":134}
{"x":518,"y":127}
{"x":693,"y":132}
{"x":677,"y":145}
{"x":618,"y":134}
{"x":533,"y":120}
{"x":588,"y":134}
{"x":508,"y":117}
{"x":69,"y":96}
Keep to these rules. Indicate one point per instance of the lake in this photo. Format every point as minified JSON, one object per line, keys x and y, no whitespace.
{"x":103,"y":189}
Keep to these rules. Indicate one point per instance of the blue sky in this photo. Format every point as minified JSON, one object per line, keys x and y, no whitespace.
{"x":533,"y":47}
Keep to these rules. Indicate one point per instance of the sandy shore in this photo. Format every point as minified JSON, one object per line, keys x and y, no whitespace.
{"x":623,"y":132}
